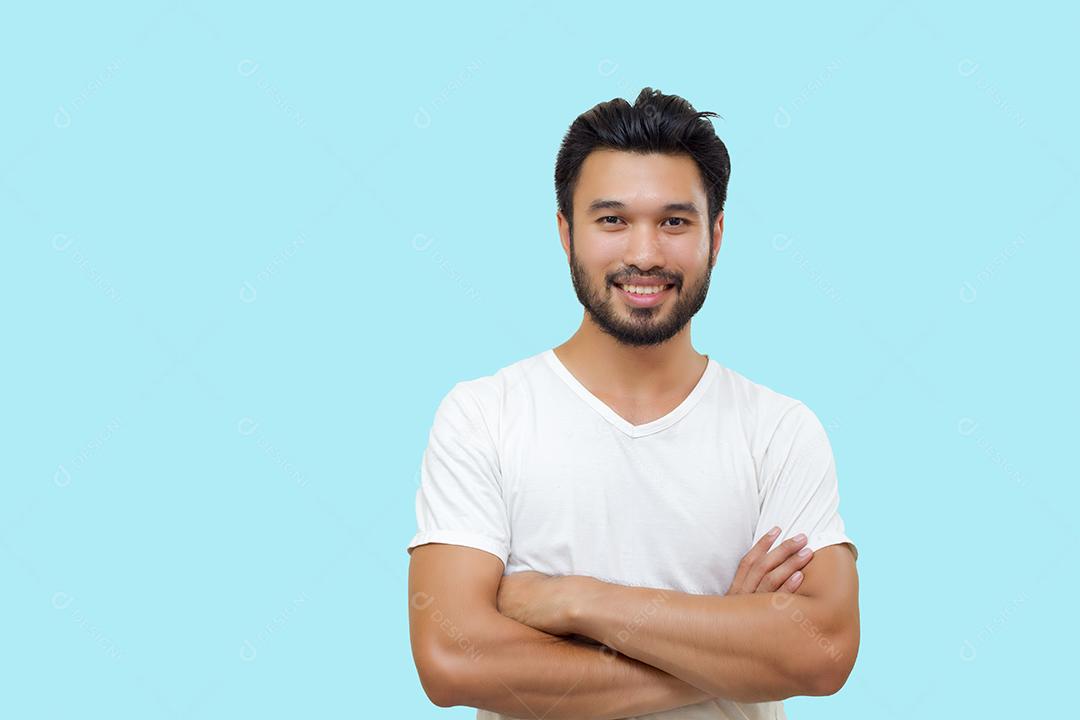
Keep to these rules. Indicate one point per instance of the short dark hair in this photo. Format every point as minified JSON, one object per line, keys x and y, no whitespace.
{"x":655,"y":123}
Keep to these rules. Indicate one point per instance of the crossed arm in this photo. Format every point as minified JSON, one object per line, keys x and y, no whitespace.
{"x":468,"y":653}
{"x":508,"y":644}
{"x":749,"y":647}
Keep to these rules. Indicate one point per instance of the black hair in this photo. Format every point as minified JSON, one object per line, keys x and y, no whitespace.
{"x":655,"y":123}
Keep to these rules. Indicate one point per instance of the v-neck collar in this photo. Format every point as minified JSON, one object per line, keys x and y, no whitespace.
{"x":618,"y":420}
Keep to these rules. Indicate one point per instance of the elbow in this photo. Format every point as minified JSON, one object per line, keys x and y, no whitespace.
{"x":440,"y":694}
{"x":438,"y":677}
{"x":829,"y":673}
{"x":826,"y":681}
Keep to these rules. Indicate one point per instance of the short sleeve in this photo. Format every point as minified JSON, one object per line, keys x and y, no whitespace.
{"x":460,"y":499}
{"x":797,"y":484}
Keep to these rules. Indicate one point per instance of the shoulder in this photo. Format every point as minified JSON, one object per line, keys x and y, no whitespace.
{"x":496,"y":387}
{"x":764,"y":410}
{"x":486,"y":399}
{"x":752,"y":398}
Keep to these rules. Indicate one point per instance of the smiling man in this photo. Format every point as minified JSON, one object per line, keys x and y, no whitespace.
{"x":600,"y":523}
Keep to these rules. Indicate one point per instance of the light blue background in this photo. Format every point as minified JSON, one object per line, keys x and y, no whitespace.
{"x":248,"y":250}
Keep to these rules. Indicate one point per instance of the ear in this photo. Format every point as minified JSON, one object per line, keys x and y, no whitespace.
{"x":564,"y":232}
{"x":718,"y":237}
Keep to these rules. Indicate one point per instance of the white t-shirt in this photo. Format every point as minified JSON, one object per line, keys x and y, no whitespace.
{"x":530,"y":466}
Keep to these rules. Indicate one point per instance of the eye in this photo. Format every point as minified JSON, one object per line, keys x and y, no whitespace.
{"x":607,"y":217}
{"x":682,"y":221}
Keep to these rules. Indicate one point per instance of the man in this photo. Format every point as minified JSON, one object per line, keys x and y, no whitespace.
{"x":594,"y":520}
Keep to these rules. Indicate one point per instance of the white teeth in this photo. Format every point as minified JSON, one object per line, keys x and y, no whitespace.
{"x":643,"y":289}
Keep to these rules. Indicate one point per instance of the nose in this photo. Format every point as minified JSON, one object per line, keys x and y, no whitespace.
{"x":644,"y":248}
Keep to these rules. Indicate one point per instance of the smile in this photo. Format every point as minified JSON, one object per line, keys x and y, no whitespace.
{"x":644,"y":295}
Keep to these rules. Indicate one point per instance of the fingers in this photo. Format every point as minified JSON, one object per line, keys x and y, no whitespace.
{"x":792,"y":583}
{"x":761,"y":570}
{"x":760,"y":577}
{"x":779,"y":577}
{"x":739,"y":584}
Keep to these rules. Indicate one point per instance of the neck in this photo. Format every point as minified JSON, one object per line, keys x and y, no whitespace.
{"x":643,"y":371}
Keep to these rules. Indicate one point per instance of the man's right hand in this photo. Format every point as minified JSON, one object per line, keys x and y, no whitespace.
{"x":761,"y":570}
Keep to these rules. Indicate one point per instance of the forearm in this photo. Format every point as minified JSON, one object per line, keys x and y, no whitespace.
{"x":748,"y":648}
{"x":510,"y":668}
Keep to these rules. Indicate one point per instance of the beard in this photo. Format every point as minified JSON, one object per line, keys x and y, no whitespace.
{"x":638,"y":326}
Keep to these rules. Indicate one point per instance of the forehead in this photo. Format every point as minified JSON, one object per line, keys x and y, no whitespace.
{"x":639,"y":180}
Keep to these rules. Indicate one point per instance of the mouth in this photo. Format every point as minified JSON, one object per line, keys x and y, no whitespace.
{"x":644,"y":295}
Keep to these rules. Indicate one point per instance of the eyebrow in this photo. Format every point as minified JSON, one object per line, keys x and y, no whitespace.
{"x":604,"y":204}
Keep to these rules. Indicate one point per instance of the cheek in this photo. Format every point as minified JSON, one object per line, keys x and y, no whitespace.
{"x":692,"y":254}
{"x":597,"y":255}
